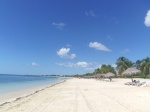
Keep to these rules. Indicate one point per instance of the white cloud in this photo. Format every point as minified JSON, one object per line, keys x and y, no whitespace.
{"x":68,"y":45}
{"x":32,"y":64}
{"x":90,"y":67}
{"x":90,"y":13}
{"x":72,"y":56}
{"x":85,"y":65}
{"x":82,"y":64}
{"x":147,"y":19}
{"x":59,"y":25}
{"x":64,"y":53}
{"x":70,"y":65}
{"x":125,"y":51}
{"x":98,"y":46}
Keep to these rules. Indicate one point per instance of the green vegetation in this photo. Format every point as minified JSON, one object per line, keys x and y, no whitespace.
{"x":144,"y":66}
{"x":148,"y":76}
{"x":105,"y":69}
{"x":142,"y":76}
{"x":122,"y":64}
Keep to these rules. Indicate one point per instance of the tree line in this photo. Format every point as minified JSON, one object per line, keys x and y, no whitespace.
{"x":122,"y":64}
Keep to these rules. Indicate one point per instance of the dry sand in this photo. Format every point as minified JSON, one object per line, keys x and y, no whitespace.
{"x":85,"y":95}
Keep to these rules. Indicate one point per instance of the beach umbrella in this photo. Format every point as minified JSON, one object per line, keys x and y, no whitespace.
{"x":109,"y":75}
{"x":98,"y":75}
{"x":88,"y":77}
{"x":130,"y":72}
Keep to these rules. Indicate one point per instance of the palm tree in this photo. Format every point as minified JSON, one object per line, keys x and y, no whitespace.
{"x":145,"y":66}
{"x":138,"y":64}
{"x":107,"y":68}
{"x":122,"y":64}
{"x":103,"y":69}
{"x":96,"y":71}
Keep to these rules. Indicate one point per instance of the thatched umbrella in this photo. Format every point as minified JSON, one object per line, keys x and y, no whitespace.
{"x":89,"y":77}
{"x":130,"y":72}
{"x":109,"y":75}
{"x":98,"y":75}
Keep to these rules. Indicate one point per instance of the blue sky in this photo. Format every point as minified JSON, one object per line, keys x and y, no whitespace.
{"x":71,"y":36}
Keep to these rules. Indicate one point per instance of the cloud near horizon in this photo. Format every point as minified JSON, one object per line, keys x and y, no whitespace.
{"x":59,"y":25}
{"x":64,"y":53}
{"x":85,"y":65}
{"x":98,"y":46}
{"x":147,"y":19}
{"x":125,"y":51}
{"x":90,"y":13}
{"x":34,"y":64}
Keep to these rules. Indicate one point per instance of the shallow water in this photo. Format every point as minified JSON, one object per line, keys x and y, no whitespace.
{"x":11,"y":83}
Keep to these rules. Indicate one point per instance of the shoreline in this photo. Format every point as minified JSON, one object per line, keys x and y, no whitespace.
{"x":84,"y":95}
{"x":32,"y":92}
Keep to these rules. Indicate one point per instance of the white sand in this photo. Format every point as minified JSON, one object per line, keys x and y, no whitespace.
{"x":85,"y":95}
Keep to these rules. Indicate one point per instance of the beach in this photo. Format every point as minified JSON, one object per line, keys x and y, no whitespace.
{"x":14,"y":86}
{"x":84,"y":95}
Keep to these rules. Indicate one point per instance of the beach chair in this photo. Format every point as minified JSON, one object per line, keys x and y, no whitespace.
{"x":133,"y":83}
{"x":130,"y":83}
{"x":143,"y":84}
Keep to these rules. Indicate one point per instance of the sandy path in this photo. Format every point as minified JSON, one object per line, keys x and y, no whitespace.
{"x":83,"y":95}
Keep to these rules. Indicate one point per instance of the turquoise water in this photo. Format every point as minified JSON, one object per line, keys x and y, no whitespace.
{"x":13,"y":83}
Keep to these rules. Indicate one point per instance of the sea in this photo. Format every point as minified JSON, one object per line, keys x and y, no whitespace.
{"x":16,"y":83}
